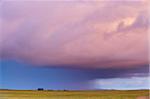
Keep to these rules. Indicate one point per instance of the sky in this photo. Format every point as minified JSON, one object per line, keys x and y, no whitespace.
{"x":74,"y":44}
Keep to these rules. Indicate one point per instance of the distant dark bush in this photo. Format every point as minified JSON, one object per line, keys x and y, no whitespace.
{"x":40,"y":89}
{"x":65,"y":90}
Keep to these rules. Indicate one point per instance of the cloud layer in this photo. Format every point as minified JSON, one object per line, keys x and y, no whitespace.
{"x":80,"y":34}
{"x":123,"y":84}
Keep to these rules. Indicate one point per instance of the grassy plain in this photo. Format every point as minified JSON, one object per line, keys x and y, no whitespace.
{"x":101,"y":94}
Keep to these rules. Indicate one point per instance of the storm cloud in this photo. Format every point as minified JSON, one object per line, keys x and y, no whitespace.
{"x":78,"y":34}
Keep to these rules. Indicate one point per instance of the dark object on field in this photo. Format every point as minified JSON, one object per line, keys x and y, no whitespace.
{"x":65,"y":90}
{"x":40,"y":89}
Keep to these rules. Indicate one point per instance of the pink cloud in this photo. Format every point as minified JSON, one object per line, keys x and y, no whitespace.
{"x":81,"y":34}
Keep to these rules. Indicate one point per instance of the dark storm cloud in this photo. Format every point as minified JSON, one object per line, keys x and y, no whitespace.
{"x":83,"y":74}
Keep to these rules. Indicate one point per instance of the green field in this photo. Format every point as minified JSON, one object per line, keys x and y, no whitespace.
{"x":107,"y":94}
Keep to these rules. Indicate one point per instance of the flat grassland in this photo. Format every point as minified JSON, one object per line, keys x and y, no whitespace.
{"x":98,"y":94}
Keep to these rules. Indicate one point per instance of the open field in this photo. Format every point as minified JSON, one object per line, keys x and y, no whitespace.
{"x":107,"y":94}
